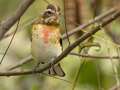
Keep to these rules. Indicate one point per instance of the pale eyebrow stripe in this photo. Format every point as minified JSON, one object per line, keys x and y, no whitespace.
{"x":50,"y":10}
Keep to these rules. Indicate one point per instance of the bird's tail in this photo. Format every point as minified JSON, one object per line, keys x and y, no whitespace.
{"x":56,"y":70}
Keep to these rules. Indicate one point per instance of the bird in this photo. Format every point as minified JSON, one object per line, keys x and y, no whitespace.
{"x":46,"y":39}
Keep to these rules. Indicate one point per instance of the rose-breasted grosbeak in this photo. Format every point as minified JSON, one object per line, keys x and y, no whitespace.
{"x":46,"y":39}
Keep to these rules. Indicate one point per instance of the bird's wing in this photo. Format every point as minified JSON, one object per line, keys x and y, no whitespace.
{"x":61,"y":43}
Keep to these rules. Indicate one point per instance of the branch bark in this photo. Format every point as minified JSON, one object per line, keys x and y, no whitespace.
{"x":92,"y":21}
{"x":10,"y":21}
{"x":94,"y":56}
{"x":23,"y":61}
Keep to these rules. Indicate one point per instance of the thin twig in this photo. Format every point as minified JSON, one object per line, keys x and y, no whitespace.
{"x":66,"y":30}
{"x":114,"y":68}
{"x":21,"y":28}
{"x":92,"y":21}
{"x":23,"y":61}
{"x":10,"y":42}
{"x":5,"y":25}
{"x":98,"y":76}
{"x":78,"y":74}
{"x":94,"y":56}
{"x":29,"y":58}
{"x":90,"y":45}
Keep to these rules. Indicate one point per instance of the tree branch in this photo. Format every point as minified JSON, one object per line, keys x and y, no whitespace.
{"x":94,"y":56}
{"x":92,"y":21}
{"x":29,"y":58}
{"x":10,"y":21}
{"x":23,"y":61}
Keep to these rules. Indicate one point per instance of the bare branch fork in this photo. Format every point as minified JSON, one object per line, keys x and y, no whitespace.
{"x":92,"y":21}
{"x":67,"y":50}
{"x":29,"y":58}
{"x":10,"y":21}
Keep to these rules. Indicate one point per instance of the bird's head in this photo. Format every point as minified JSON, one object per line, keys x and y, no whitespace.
{"x":51,"y":15}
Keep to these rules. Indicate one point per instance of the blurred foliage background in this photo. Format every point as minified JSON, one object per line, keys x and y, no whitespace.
{"x":95,"y":74}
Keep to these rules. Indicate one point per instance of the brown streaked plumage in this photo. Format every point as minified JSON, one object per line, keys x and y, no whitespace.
{"x":45,"y":39}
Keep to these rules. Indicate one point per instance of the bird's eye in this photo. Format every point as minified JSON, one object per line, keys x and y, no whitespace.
{"x":49,"y":13}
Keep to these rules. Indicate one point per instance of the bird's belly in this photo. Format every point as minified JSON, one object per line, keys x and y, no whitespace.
{"x":44,"y":52}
